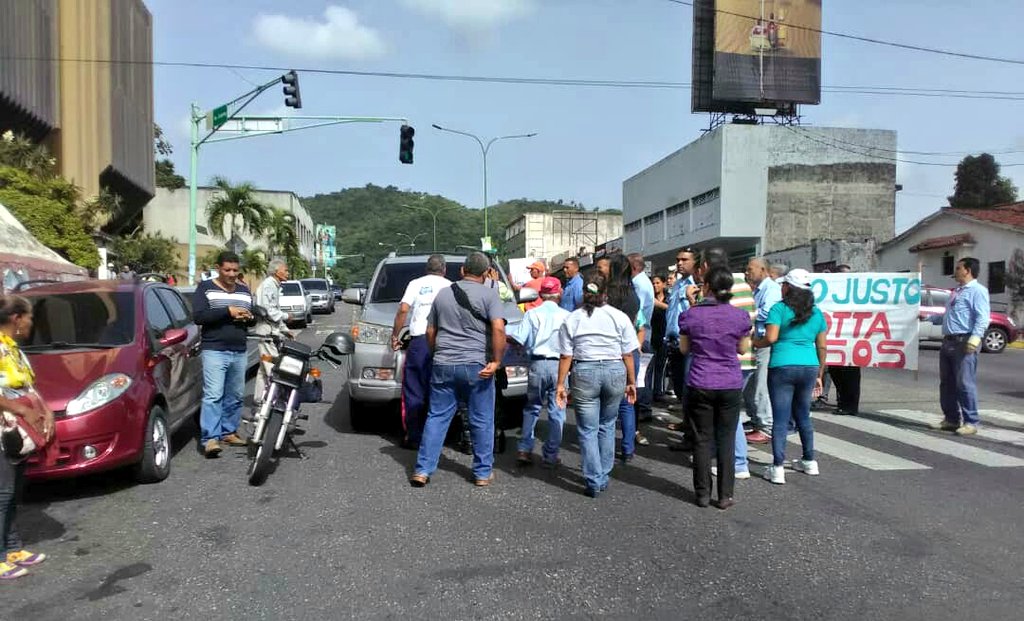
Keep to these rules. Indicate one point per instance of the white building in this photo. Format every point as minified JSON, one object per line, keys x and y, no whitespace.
{"x":167,"y":214}
{"x":560,"y":233}
{"x":936,"y":243}
{"x":754,"y":189}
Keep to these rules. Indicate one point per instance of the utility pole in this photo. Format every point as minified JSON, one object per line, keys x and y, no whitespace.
{"x":484,"y":150}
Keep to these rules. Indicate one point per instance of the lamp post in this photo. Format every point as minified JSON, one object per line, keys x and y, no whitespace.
{"x":412,"y":240}
{"x":484,"y":149}
{"x":433,"y":215}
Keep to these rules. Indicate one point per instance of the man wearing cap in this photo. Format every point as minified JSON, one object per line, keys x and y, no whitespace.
{"x":537,"y":273}
{"x":538,"y":333}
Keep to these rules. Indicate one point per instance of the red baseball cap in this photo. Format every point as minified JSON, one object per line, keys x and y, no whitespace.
{"x":550,"y":285}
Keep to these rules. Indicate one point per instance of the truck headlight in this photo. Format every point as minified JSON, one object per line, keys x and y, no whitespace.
{"x":372,"y":334}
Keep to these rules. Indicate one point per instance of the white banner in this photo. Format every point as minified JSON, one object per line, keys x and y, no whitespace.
{"x":872,"y":318}
{"x":517,"y":271}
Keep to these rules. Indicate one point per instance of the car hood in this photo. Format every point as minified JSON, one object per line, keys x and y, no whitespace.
{"x":62,"y":376}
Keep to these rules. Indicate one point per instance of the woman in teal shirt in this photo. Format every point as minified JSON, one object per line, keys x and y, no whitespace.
{"x":795,"y":330}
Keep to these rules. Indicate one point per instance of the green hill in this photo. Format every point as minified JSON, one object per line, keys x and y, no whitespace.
{"x":369,"y":216}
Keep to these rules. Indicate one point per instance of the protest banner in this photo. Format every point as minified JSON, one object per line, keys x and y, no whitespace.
{"x":872,"y":318}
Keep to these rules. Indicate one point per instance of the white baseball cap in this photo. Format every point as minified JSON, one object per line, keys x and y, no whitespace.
{"x":799,"y":278}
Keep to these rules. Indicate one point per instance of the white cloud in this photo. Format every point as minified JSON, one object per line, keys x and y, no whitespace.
{"x":338,"y":35}
{"x":474,"y":17}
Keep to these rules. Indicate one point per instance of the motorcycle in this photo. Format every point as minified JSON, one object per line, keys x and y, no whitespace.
{"x":290,"y":381}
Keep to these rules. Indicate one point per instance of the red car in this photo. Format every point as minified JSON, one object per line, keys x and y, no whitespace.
{"x":1000,"y":333}
{"x":118,"y":362}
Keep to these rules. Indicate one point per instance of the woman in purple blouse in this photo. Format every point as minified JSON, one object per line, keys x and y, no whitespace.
{"x":713,"y":332}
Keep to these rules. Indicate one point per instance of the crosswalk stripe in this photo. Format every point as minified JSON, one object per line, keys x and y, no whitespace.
{"x":999,"y":435}
{"x":846,"y":451}
{"x":1010,"y":417}
{"x":924,"y":441}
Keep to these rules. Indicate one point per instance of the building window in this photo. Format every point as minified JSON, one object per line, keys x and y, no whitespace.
{"x":706,"y":197}
{"x":947,"y":265}
{"x":997,"y":277}
{"x":633,"y":226}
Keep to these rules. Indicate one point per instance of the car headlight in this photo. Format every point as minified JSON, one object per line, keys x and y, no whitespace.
{"x":517,"y":371}
{"x":99,"y":393}
{"x":291,"y":366}
{"x":371,"y":334}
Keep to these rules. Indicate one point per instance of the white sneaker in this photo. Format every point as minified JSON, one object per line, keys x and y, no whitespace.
{"x":807,"y":467}
{"x":775,"y":474}
{"x":714,"y":471}
{"x":742,"y":474}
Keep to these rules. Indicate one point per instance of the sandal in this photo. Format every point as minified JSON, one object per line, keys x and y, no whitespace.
{"x":641,"y":439}
{"x":419,"y":480}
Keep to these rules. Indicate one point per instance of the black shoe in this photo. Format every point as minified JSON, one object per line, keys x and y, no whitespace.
{"x":725,"y":503}
{"x":703,"y":503}
{"x":843,"y":412}
{"x":590,"y":492}
{"x":410,"y":446}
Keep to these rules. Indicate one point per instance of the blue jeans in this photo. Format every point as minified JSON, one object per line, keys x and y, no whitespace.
{"x":627,"y":415}
{"x":790,"y":389}
{"x":451,"y":384}
{"x":958,"y":383}
{"x":543,"y":381}
{"x":597,"y":389}
{"x":223,"y":390}
{"x":415,"y":388}
{"x":12,"y":480}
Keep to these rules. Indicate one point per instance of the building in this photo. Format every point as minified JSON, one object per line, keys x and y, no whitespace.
{"x":96,"y":117}
{"x":167,"y":214}
{"x":820,"y":255}
{"x":560,"y":233}
{"x":937,"y":242}
{"x":755,"y":189}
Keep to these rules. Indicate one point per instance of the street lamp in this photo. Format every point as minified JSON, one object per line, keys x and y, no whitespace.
{"x":383,"y":245}
{"x":484,"y":149}
{"x":412,"y":240}
{"x":433,"y":215}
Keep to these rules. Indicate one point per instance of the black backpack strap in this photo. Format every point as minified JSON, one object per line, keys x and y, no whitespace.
{"x":463,"y":300}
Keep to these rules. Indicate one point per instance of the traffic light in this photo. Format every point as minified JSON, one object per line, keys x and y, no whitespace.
{"x":406,"y":144}
{"x":292,"y":96}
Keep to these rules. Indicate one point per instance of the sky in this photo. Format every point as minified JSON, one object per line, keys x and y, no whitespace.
{"x":589,"y":139}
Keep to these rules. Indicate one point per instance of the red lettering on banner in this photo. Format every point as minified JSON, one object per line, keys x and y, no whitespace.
{"x":836,"y":352}
{"x":860,"y":317}
{"x":893,"y":348}
{"x":880,"y":325}
{"x":839,"y":316}
{"x":862,"y":353}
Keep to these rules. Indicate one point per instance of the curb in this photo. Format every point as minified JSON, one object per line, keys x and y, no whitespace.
{"x":1016,"y":345}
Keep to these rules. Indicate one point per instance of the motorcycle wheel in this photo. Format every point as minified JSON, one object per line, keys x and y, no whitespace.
{"x":259,"y":466}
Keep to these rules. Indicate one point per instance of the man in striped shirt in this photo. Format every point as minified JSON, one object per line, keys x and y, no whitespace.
{"x":222,"y":307}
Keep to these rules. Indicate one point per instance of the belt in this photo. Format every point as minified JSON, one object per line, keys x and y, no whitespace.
{"x":543,"y":358}
{"x":956,"y":337}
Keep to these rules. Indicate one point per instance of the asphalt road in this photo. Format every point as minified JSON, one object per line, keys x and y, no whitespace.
{"x":342,"y":535}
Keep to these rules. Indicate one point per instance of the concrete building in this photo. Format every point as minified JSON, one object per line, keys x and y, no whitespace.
{"x":560,"y":233}
{"x":755,"y":189}
{"x":95,"y":117}
{"x":826,"y":254}
{"x":937,"y":242}
{"x":167,"y":214}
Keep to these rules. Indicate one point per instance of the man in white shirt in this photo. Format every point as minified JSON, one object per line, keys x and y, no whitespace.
{"x":268,"y":297}
{"x":415,"y":306}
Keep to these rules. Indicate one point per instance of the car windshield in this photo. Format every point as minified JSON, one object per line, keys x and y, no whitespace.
{"x":315,"y":285}
{"x":290,"y":288}
{"x":389,"y":286}
{"x":89,"y":319}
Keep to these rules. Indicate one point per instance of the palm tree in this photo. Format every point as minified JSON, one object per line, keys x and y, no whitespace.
{"x":238,"y":203}
{"x":282,"y":239}
{"x":254,"y":262}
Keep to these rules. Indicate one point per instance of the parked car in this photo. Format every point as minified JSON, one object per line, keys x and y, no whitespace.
{"x":296,"y":302}
{"x":376,"y":369}
{"x":320,"y":293}
{"x":1001,"y":330}
{"x":336,"y":289}
{"x":252,"y":349}
{"x":118,"y":362}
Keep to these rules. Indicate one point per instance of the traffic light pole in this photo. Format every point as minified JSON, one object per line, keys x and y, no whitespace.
{"x":250,"y":127}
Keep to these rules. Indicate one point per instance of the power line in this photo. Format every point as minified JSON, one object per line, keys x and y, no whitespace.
{"x":904,"y":46}
{"x":1007,"y":151}
{"x":583,"y":82}
{"x":832,"y":145}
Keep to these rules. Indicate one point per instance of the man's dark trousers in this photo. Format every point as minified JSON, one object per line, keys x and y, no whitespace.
{"x":847,"y":381}
{"x":416,"y":388}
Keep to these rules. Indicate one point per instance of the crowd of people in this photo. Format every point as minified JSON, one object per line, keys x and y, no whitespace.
{"x":719,"y":343}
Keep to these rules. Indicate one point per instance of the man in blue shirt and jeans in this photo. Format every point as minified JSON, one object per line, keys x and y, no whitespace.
{"x":963,"y":327}
{"x":572,"y":296}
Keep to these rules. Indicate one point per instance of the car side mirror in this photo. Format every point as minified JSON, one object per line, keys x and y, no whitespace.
{"x":353,"y":296}
{"x":174,"y":336}
{"x":527,"y":294}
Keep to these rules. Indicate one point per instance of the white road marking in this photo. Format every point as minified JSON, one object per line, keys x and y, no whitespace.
{"x":846,"y":451}
{"x":1002,"y":415}
{"x":999,"y":435}
{"x":959,"y":450}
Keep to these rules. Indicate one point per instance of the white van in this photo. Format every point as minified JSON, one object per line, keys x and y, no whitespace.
{"x":295,"y":301}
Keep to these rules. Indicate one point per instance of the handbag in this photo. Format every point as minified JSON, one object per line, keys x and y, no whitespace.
{"x":17,"y":440}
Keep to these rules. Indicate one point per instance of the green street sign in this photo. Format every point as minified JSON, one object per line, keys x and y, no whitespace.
{"x":220,"y":116}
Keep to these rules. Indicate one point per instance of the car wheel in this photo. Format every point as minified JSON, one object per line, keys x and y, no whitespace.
{"x":155,"y":464}
{"x":357,"y":415}
{"x":995,"y":341}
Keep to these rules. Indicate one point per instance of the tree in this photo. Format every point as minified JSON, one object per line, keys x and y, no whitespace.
{"x":279,"y":231}
{"x":238,"y":203}
{"x":1015,"y":284}
{"x":147,"y":253}
{"x":19,"y":152}
{"x":979,"y":185}
{"x":47,"y":207}
{"x":167,"y":177}
{"x":160,"y":144}
{"x":254,"y":262}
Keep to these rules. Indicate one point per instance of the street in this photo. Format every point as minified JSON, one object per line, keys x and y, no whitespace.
{"x":903,"y":523}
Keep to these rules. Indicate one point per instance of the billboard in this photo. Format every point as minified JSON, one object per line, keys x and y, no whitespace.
{"x":326,"y":253}
{"x":756,"y":54}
